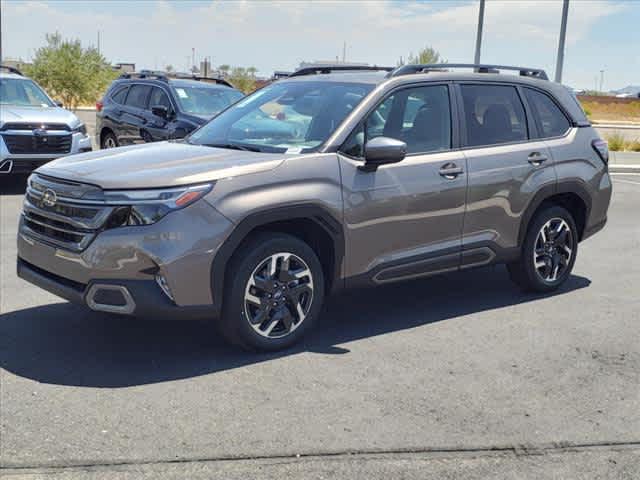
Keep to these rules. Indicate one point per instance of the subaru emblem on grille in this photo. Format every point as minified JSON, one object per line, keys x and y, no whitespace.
{"x":49,"y":198}
{"x":39,"y":132}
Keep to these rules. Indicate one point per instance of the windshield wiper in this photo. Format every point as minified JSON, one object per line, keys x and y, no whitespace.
{"x":233,"y":146}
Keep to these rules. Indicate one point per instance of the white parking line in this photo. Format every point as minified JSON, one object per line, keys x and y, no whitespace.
{"x":627,"y":181}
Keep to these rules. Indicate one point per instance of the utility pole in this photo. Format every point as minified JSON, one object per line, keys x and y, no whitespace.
{"x":193,"y":58}
{"x":601,"y":81}
{"x":563,"y":35}
{"x":344,"y":51}
{"x":98,"y":41}
{"x":476,"y":58}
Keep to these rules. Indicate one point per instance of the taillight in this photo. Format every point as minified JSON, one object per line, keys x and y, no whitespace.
{"x":602,"y":149}
{"x":99,"y":106}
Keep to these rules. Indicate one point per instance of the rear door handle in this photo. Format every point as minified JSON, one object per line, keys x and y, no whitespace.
{"x":536,"y":158}
{"x":450,"y":171}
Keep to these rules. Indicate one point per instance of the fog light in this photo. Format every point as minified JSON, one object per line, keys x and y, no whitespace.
{"x":162,"y":283}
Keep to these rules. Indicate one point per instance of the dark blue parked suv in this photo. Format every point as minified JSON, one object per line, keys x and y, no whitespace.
{"x":152,"y":106}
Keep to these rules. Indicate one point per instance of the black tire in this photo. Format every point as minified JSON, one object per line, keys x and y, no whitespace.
{"x":108,"y":140}
{"x":524,"y":272}
{"x":235,"y":324}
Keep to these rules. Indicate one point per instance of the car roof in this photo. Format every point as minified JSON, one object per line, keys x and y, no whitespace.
{"x":13,"y":75}
{"x":369,"y":77}
{"x":175,"y":82}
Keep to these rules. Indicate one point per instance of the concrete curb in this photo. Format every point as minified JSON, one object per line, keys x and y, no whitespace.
{"x":620,"y":168}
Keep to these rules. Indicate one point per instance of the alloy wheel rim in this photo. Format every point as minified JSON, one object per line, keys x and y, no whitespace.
{"x":109,"y":143}
{"x":553,"y":250}
{"x":278,"y":295}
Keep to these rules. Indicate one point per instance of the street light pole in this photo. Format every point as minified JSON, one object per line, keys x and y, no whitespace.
{"x":563,"y":34}
{"x":601,"y":80}
{"x":476,"y":58}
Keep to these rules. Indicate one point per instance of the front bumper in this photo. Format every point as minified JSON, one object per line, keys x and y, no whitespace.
{"x":26,"y":163}
{"x":180,"y":248}
{"x":143,"y":296}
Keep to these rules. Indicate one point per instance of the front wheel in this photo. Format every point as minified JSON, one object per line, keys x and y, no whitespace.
{"x":273,"y":294}
{"x":548,"y":252}
{"x":109,"y":140}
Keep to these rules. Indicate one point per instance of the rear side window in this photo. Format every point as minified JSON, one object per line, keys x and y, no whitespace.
{"x":138,"y":95}
{"x":119,"y":95}
{"x":550,"y":120}
{"x":494,"y":114}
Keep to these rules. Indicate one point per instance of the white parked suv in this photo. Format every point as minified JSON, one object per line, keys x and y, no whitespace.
{"x":33,"y":128}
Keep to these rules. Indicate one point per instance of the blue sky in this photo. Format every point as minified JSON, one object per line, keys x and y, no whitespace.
{"x":277,"y":35}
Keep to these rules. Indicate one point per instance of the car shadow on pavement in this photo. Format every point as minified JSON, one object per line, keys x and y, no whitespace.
{"x":13,"y":184}
{"x":66,"y":344}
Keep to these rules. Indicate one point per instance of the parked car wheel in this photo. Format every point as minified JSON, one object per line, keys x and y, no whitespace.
{"x":548,"y":252}
{"x":275,"y":293}
{"x":109,"y":140}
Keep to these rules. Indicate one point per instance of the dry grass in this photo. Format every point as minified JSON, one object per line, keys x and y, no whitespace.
{"x":615,"y":112}
{"x":617,"y":143}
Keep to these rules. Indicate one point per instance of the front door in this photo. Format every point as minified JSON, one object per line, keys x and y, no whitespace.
{"x":405,"y":220}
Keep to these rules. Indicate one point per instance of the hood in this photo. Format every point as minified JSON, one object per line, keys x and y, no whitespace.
{"x":155,"y":165}
{"x":15,"y":113}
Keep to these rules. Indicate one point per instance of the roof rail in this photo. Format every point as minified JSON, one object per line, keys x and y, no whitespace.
{"x":315,"y":69}
{"x":11,"y":69}
{"x":479,"y":68}
{"x":200,"y":78}
{"x":145,"y":74}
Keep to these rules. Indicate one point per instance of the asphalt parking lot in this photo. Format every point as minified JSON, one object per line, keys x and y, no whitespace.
{"x":459,"y":376}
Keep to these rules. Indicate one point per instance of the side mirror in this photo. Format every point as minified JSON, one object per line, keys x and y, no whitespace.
{"x":58,"y":103}
{"x":381,"y":151}
{"x":160,"y":111}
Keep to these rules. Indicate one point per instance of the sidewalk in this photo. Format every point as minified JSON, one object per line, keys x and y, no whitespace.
{"x":624,"y":162}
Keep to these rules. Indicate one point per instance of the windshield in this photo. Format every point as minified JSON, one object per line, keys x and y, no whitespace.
{"x":292,"y":117}
{"x":23,"y":92}
{"x":205,"y":100}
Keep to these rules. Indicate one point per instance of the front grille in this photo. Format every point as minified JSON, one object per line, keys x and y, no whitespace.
{"x":34,"y":126}
{"x":37,"y":144}
{"x":69,"y":223}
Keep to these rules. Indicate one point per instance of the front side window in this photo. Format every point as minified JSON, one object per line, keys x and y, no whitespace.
{"x":494,"y":114}
{"x":292,"y":117}
{"x":420,"y":117}
{"x":138,"y":95}
{"x":159,"y":99}
{"x":202,"y":100}
{"x":21,"y":92}
{"x":549,"y":118}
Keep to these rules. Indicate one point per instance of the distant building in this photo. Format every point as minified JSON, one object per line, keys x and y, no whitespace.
{"x":19,"y":64}
{"x":124,"y":67}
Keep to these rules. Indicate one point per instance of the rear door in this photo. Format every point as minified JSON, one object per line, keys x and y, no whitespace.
{"x":405,"y":220}
{"x":133,"y":114}
{"x":156,"y":126}
{"x":507,"y":165}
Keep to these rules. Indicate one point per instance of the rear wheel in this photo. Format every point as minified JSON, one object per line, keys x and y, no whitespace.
{"x":274,"y":295}
{"x":109,"y":140}
{"x":548,"y":253}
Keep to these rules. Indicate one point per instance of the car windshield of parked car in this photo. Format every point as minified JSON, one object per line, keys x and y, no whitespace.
{"x":24,"y":93}
{"x":287,"y":117}
{"x":201,"y":100}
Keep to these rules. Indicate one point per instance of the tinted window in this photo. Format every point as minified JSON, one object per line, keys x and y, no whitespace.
{"x":138,"y":95}
{"x":418,"y":116}
{"x":203,"y":100}
{"x":549,"y":118}
{"x":294,"y":117}
{"x":120,"y":95}
{"x":494,"y":114}
{"x":159,"y":97}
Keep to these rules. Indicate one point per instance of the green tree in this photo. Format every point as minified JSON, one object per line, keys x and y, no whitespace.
{"x":224,"y":70}
{"x":69,"y":72}
{"x":169,"y":68}
{"x":426,"y":55}
{"x":243,"y":79}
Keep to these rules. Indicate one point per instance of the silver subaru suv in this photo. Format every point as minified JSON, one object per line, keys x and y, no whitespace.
{"x":33,"y":128}
{"x":332,"y":178}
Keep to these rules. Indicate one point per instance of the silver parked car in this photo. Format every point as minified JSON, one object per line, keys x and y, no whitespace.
{"x":33,"y":128}
{"x":325,"y":180}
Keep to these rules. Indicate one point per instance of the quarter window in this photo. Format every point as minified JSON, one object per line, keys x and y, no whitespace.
{"x":120,"y":95}
{"x":549,"y":118}
{"x":420,"y":117}
{"x":494,"y":114}
{"x":138,"y":95}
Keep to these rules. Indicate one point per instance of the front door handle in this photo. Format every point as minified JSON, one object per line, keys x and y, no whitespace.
{"x":536,"y":158}
{"x":450,"y":171}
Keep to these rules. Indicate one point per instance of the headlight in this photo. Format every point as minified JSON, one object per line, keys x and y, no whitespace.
{"x":82,"y":128}
{"x":144,"y":207}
